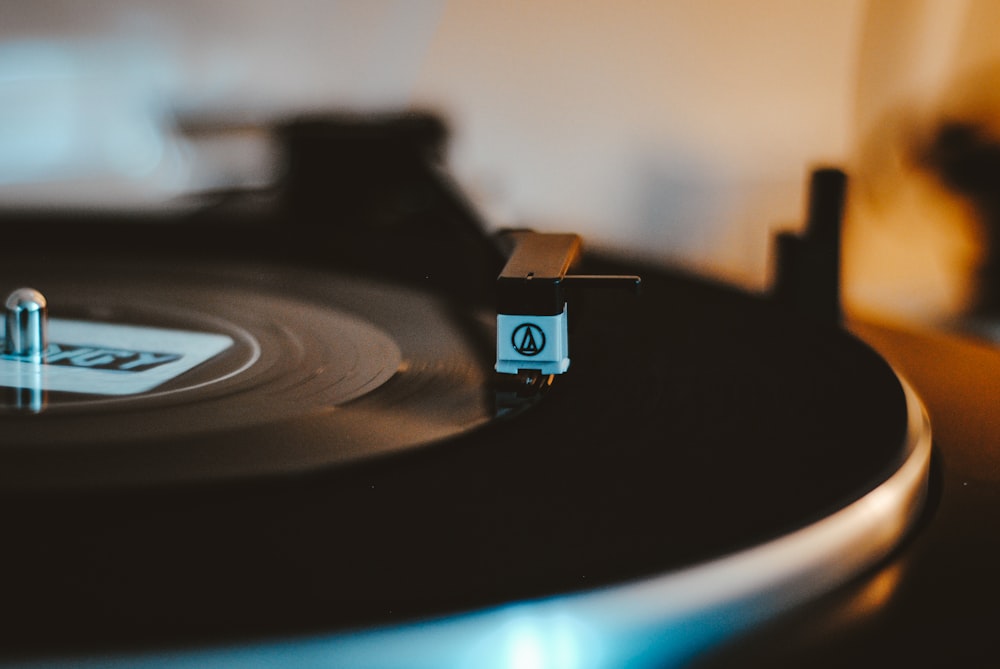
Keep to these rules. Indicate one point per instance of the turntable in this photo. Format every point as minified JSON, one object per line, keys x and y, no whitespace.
{"x":339,"y":424}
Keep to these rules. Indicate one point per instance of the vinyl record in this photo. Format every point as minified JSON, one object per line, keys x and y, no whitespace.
{"x":696,"y":423}
{"x":159,"y":374}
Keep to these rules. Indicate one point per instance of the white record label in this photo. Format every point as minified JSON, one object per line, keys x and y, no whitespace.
{"x":110,"y":358}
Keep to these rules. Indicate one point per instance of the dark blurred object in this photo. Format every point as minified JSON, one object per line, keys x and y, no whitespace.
{"x":807,"y":266}
{"x":967,"y":160}
{"x":377,"y":184}
{"x":366,"y":193}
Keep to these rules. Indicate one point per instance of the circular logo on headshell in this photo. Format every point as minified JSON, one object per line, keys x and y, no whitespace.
{"x":528,"y":339}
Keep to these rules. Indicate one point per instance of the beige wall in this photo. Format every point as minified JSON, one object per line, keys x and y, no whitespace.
{"x":683,"y":129}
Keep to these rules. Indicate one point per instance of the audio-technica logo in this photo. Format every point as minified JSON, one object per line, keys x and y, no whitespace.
{"x":528,"y":339}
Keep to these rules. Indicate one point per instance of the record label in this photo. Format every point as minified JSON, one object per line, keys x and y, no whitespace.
{"x":110,"y":359}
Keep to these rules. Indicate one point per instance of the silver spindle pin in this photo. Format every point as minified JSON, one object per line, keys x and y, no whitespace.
{"x":27,"y":315}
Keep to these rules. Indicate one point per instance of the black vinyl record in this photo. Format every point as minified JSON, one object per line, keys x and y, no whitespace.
{"x":302,"y":370}
{"x":340,"y":466}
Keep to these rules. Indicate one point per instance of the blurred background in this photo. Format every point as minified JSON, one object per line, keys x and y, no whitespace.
{"x":678,"y":130}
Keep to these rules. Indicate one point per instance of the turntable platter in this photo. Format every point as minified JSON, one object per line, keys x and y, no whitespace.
{"x":698,"y":425}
